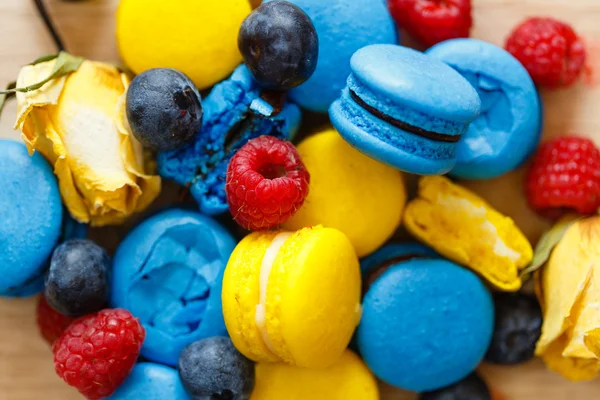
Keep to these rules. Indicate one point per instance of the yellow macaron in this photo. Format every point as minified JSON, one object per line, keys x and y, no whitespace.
{"x":198,"y":38}
{"x":349,"y":191}
{"x":292,"y":297}
{"x":347,"y":379}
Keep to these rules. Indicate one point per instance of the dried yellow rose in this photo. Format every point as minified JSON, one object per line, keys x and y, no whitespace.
{"x":569,"y":292}
{"x":464,"y":228}
{"x":78,"y":123}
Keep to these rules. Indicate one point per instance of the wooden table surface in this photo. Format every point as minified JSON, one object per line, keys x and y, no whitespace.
{"x":26,"y":371}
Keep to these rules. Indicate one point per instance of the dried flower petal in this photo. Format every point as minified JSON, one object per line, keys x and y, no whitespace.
{"x":78,"y":122}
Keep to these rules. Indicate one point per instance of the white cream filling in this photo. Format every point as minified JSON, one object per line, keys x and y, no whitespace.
{"x":265,"y":271}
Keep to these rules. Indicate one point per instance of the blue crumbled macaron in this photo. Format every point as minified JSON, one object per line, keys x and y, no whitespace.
{"x":234,"y":113}
{"x":168,"y":272}
{"x":426,"y":324}
{"x":509,"y":127}
{"x":150,"y":381}
{"x":343,"y":27}
{"x":31,"y":213}
{"x":405,"y":109}
{"x":71,"y":229}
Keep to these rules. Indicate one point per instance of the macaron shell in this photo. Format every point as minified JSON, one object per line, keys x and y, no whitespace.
{"x":168,"y":272}
{"x":463,"y":227}
{"x":411,"y":79}
{"x":337,"y":23}
{"x":201,"y":36}
{"x":313,"y":297}
{"x":31,"y":213}
{"x":346,"y":182}
{"x":150,"y":381}
{"x":509,"y":127}
{"x":347,"y":379}
{"x":426,"y":324}
{"x":241,"y":293}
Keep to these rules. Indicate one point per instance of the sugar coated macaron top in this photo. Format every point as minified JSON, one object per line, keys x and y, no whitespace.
{"x":348,"y":378}
{"x":405,"y":109}
{"x":31,"y":213}
{"x":292,"y":297}
{"x":509,"y":127}
{"x":343,"y":27}
{"x":198,"y":38}
{"x":426,"y":324}
{"x":168,"y":272}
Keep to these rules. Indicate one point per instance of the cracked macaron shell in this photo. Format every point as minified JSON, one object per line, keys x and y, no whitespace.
{"x":31,"y":213}
{"x":168,"y":272}
{"x":461,"y":226}
{"x":347,"y":182}
{"x":202,"y":163}
{"x":509,"y":127}
{"x":312,"y":301}
{"x":347,"y":378}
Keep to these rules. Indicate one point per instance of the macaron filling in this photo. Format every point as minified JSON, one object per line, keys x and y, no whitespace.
{"x":409,"y":120}
{"x":265,"y":272}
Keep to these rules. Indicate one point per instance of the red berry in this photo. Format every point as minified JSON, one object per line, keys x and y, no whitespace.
{"x":433,"y":21}
{"x":565,"y":176}
{"x":97,"y":352}
{"x":550,"y":50}
{"x":50,"y":322}
{"x":266,"y":183}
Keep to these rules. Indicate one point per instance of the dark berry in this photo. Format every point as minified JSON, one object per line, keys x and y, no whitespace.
{"x":470,"y":388}
{"x":279,"y":44}
{"x":77,"y":280}
{"x":213,"y":369}
{"x":518,"y":328}
{"x":163,"y":109}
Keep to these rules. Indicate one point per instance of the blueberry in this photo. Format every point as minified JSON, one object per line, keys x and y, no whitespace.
{"x":163,"y":109}
{"x":470,"y":388}
{"x":212,"y":369}
{"x":77,"y":281}
{"x":517,"y":330}
{"x":279,"y":44}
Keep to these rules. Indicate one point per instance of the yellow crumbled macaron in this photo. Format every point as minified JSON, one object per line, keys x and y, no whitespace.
{"x":349,"y":191}
{"x":199,"y":38}
{"x":348,"y":378}
{"x":464,"y":228}
{"x":292,"y":297}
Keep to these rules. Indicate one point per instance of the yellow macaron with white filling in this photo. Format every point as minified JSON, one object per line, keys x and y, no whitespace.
{"x":292,"y":297}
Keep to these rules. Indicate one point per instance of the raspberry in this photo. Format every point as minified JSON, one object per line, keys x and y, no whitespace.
{"x":433,"y":21}
{"x":550,"y":50}
{"x":266,"y":183}
{"x":51,"y":323}
{"x":98,"y":351}
{"x":565,"y":176}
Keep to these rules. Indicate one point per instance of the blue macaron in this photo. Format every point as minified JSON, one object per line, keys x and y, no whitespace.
{"x":509,"y":127}
{"x":234,"y":113}
{"x":150,"y":381}
{"x":405,"y":109}
{"x":31,"y":213}
{"x":392,"y":254}
{"x":168,"y":272}
{"x":426,"y":324}
{"x":71,"y":229}
{"x":343,"y":27}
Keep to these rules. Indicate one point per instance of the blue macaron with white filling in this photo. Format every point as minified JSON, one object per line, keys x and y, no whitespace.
{"x":405,"y":109}
{"x":168,"y":272}
{"x":31,"y":213}
{"x":426,"y":322}
{"x":150,"y":381}
{"x":509,"y":127}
